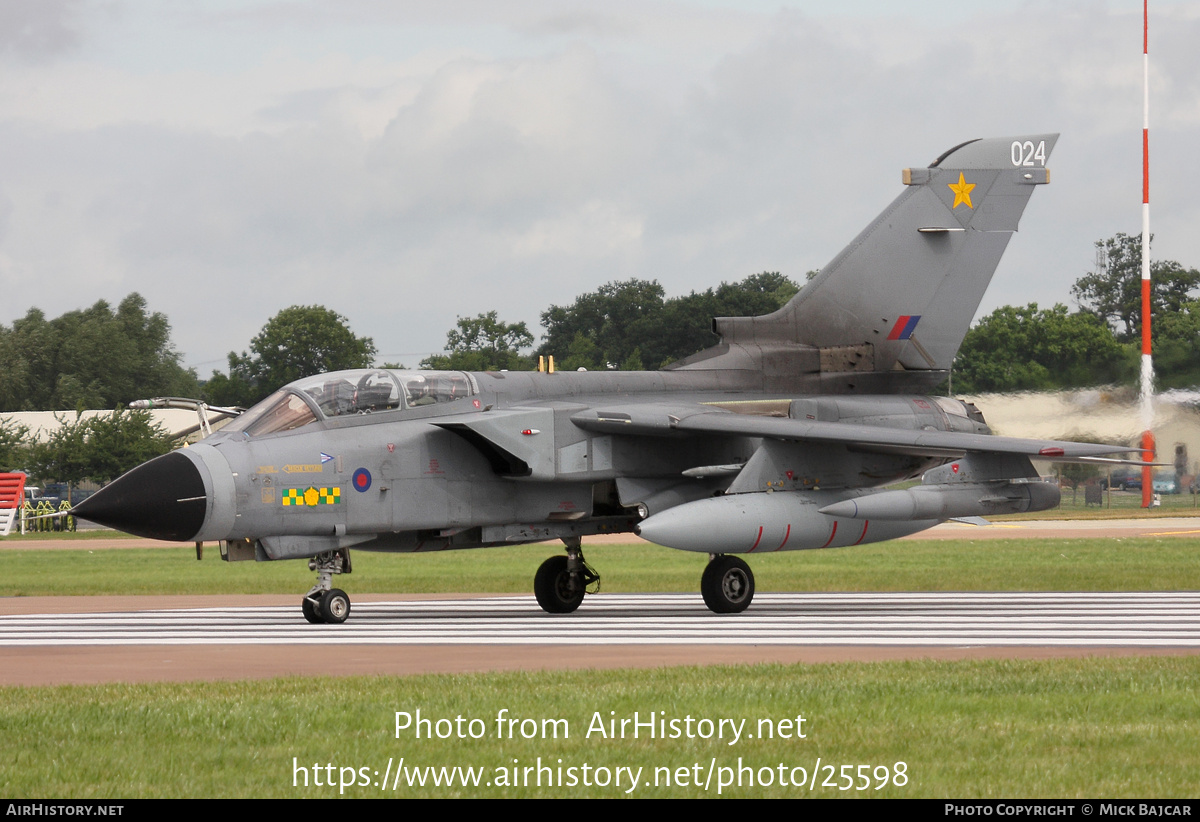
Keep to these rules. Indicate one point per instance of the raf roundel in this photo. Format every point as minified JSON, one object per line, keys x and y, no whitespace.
{"x":361,"y":479}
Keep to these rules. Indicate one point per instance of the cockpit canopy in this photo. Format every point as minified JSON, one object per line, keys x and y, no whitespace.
{"x":341,"y":393}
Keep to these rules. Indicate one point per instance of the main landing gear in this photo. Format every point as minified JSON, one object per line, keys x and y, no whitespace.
{"x":727,"y":585}
{"x":324,"y":603}
{"x":561,"y":582}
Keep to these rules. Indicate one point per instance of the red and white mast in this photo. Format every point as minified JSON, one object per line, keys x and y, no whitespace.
{"x":1147,"y":364}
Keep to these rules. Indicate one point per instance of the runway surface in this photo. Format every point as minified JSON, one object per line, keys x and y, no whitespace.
{"x":1145,"y":619}
{"x":52,"y":640}
{"x":512,"y":633}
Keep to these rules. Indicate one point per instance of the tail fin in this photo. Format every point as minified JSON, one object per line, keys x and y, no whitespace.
{"x":902,"y":295}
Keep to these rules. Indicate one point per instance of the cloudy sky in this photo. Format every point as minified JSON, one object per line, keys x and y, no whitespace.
{"x":405,"y":162}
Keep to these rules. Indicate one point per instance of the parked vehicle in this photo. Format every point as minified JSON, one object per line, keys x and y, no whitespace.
{"x":1166,"y":483}
{"x":35,"y":497}
{"x":1124,"y":480}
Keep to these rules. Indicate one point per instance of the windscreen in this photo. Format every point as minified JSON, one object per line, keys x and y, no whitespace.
{"x":282,"y":411}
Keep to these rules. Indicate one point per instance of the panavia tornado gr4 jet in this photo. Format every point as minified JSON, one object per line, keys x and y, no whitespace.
{"x":779,"y":438}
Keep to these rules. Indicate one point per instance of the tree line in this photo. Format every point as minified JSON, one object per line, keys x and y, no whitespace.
{"x":1027,"y":348}
{"x":98,"y":448}
{"x":629,"y":325}
{"x":104,"y":358}
{"x":91,"y":358}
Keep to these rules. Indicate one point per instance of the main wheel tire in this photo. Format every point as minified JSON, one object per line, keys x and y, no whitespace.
{"x":552,"y":587}
{"x":727,"y":585}
{"x":335,"y":606}
{"x":312,"y":610}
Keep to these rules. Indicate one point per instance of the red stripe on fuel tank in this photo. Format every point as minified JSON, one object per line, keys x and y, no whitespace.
{"x":832,"y":534}
{"x":786,"y":536}
{"x":757,"y":541}
{"x":863,"y":535}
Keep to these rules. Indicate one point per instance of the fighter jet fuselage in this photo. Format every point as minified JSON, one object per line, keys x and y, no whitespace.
{"x":780,"y":437}
{"x":516,"y":457}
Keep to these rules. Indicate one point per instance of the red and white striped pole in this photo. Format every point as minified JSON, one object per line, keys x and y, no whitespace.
{"x":1147,"y":363}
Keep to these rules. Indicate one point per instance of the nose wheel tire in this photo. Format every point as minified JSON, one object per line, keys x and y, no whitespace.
{"x":727,"y":585}
{"x":326,"y":607}
{"x":335,"y":607}
{"x":556,"y":592}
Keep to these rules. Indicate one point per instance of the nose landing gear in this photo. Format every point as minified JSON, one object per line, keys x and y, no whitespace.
{"x":324,"y":603}
{"x":561,"y":582}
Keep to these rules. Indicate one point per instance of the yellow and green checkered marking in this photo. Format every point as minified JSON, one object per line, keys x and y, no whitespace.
{"x":312,"y":496}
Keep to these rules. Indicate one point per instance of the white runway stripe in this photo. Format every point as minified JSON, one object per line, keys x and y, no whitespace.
{"x":943,"y":619}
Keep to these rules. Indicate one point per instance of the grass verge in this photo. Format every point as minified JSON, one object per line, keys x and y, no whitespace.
{"x":1112,"y":564}
{"x":1052,"y":728}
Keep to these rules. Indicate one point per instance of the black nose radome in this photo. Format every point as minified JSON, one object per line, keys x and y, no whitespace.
{"x":160,"y":499}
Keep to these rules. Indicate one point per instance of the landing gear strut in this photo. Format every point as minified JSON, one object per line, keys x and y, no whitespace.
{"x":727,"y":584}
{"x":561,"y":582}
{"x":324,"y":603}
